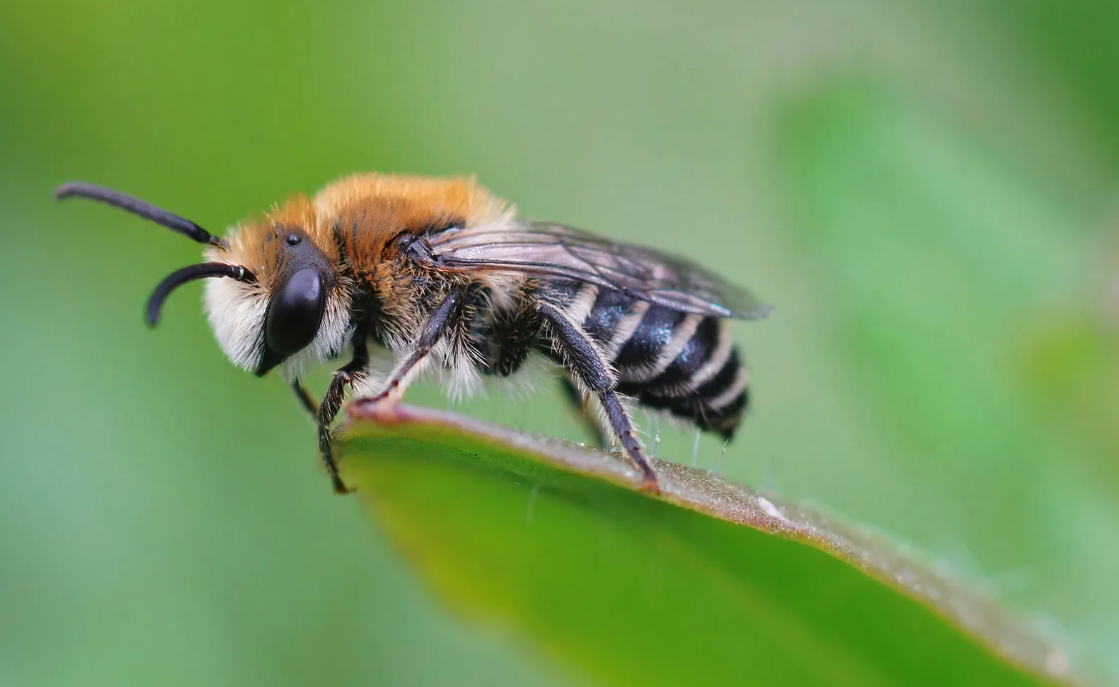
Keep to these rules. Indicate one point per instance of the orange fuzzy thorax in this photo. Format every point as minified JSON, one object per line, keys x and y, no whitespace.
{"x":368,"y":211}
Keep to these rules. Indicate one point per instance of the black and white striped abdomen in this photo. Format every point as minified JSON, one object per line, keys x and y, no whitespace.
{"x":682,"y":363}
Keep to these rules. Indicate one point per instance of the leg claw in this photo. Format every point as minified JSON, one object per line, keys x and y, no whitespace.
{"x":650,"y":486}
{"x":340,"y":487}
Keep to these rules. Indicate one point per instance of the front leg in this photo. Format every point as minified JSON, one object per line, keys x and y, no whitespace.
{"x":446,"y":316}
{"x":325,"y":412}
{"x":305,"y":398}
{"x":331,"y":404}
{"x":586,"y":362}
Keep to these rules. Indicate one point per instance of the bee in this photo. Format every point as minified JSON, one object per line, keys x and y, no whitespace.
{"x":439,"y":275}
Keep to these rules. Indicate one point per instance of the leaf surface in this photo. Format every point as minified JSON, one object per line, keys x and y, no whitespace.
{"x":706,"y":583}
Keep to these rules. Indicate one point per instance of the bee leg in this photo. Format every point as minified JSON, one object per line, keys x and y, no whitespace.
{"x":305,"y":398}
{"x":623,"y":428}
{"x":308,"y":403}
{"x":586,"y":362}
{"x":325,"y":412}
{"x":444,"y":318}
{"x":579,"y":402}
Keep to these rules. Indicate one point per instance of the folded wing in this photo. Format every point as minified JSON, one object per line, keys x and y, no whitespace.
{"x":544,"y":249}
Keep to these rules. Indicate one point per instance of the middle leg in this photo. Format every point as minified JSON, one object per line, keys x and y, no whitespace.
{"x":446,"y":316}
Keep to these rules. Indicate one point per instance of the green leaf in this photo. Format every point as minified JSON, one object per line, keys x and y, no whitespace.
{"x":966,"y":313}
{"x":708,"y":583}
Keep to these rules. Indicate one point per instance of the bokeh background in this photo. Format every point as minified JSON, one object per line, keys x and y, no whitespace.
{"x":925,"y":191}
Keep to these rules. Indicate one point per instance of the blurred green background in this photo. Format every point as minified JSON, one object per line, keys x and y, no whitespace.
{"x":925,"y":191}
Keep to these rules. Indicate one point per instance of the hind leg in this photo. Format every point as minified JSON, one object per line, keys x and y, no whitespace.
{"x":578,"y":401}
{"x":583,"y":360}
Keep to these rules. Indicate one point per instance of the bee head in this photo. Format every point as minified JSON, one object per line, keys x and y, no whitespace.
{"x":272,"y":294}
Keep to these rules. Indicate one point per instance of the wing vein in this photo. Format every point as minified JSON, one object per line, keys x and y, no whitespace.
{"x":536,"y":248}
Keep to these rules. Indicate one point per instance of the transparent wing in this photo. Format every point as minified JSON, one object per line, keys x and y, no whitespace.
{"x":541,"y":248}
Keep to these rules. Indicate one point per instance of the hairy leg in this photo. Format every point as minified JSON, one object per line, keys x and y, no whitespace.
{"x":578,"y":401}
{"x":583,"y":359}
{"x":325,"y":412}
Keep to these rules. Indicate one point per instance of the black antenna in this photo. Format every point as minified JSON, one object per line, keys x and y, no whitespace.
{"x":80,"y":189}
{"x":179,"y":277}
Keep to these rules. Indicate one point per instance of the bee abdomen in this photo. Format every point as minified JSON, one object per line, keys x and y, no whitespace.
{"x":682,"y":363}
{"x":717,"y":405}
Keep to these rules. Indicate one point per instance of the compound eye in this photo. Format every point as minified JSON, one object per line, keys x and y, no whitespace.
{"x":295,"y":313}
